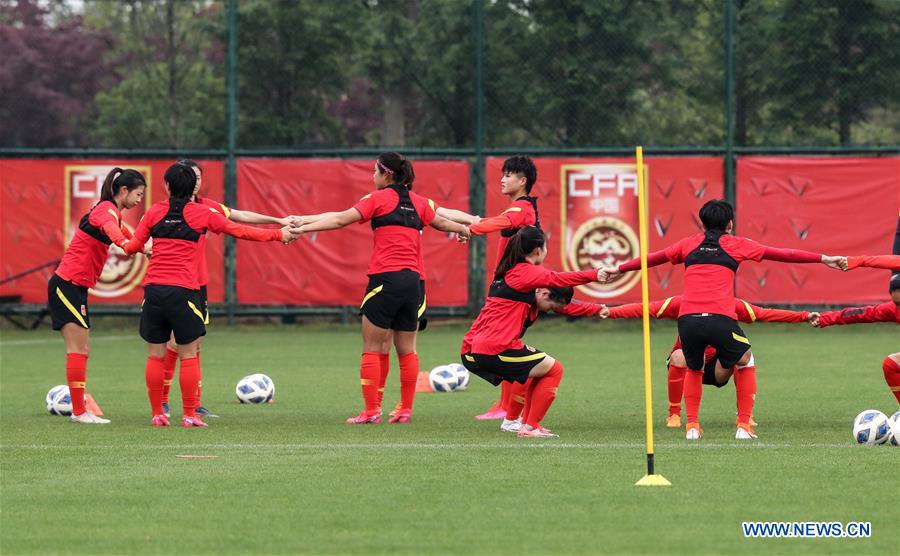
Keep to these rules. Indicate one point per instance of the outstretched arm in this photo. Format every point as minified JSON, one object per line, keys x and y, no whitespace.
{"x":457,"y":216}
{"x":250,"y":217}
{"x":889,"y":262}
{"x":886,"y":312}
{"x":800,"y":256}
{"x":331,"y":221}
{"x":583,"y":309}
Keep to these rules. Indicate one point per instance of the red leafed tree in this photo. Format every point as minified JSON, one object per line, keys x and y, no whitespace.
{"x":50,"y":70}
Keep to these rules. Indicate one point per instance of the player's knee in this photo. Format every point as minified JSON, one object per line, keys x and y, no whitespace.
{"x":749,"y":363}
{"x":676,"y":359}
{"x":891,"y":363}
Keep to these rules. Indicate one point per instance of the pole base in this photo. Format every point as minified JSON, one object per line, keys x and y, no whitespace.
{"x":653,"y":480}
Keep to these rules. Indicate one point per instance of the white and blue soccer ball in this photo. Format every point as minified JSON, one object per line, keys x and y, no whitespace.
{"x":59,"y":401}
{"x":462,"y":375}
{"x":894,"y":426}
{"x":871,"y":427}
{"x":443,"y":379}
{"x":256,"y":388}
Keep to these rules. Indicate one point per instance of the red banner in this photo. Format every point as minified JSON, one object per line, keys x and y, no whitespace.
{"x":328,"y":268}
{"x":41,"y":203}
{"x":834,"y":205}
{"x":588,"y":208}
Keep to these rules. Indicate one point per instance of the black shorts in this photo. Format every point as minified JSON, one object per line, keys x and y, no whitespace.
{"x":204,"y":304}
{"x":511,"y":365}
{"x":705,"y":329}
{"x":392,"y":300}
{"x":68,"y":303}
{"x":423,"y":306}
{"x":168,"y":309}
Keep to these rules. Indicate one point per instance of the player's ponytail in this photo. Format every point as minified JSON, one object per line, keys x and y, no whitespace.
{"x":519,"y":247}
{"x":398,"y":169}
{"x":119,"y":178}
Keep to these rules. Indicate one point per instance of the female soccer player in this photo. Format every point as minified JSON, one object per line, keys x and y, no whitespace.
{"x":492,"y":348}
{"x":884,"y":312}
{"x":713,"y":372}
{"x":707,"y":316}
{"x":392,"y":298}
{"x":243,"y":216}
{"x":80,"y":268}
{"x":519,"y":177}
{"x":171,"y":288}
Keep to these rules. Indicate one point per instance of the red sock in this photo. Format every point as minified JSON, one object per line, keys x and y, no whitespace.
{"x":384,"y":360}
{"x":693,"y":392}
{"x":891,"y":376}
{"x":409,"y":373}
{"x":369,"y":375}
{"x":745,"y":390}
{"x":154,"y":377}
{"x":169,"y":363}
{"x":504,"y":395}
{"x":199,"y":383}
{"x":676,"y":388}
{"x":189,"y":379}
{"x":76,"y":375}
{"x":544,"y":393}
{"x":529,"y":395}
{"x":516,"y":404}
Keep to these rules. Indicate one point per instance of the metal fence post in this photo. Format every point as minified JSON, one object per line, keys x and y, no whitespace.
{"x":730,"y":101}
{"x":230,"y":165}
{"x":476,"y":177}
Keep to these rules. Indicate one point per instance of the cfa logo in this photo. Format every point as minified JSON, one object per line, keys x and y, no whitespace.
{"x":600,"y":210}
{"x":83,"y":183}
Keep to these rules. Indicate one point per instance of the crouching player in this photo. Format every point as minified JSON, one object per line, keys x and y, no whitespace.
{"x":171,"y":289}
{"x":492,"y":348}
{"x":713,"y":372}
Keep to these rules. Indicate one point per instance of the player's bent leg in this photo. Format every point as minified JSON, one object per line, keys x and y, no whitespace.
{"x":891,"y":369}
{"x":677,"y":370}
{"x":546,"y":377}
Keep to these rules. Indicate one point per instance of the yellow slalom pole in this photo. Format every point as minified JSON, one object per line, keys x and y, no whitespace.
{"x":651,"y":478}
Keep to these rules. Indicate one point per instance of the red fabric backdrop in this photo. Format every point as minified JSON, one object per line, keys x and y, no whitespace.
{"x":39,"y":196}
{"x":835,"y":205}
{"x":328,"y":268}
{"x":677,"y":186}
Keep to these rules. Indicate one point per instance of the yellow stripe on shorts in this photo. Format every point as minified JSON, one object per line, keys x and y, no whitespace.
{"x":523,"y":358}
{"x":371,"y":294}
{"x":740,"y":338}
{"x":421,"y":307}
{"x":469,"y":358}
{"x":195,"y":310}
{"x":70,"y":307}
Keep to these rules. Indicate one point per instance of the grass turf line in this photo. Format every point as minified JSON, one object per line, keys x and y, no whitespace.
{"x":292,"y":478}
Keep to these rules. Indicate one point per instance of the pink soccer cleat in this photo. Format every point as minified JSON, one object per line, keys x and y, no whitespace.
{"x":401,"y":416}
{"x":495,"y":413}
{"x":159,"y":421}
{"x":527,"y":431}
{"x":363,"y":419}
{"x":192,"y":421}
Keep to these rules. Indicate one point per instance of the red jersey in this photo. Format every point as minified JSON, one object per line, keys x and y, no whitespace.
{"x":889,"y":262}
{"x":711,"y":259}
{"x":176,"y":227}
{"x":83,"y":261}
{"x":884,"y":312}
{"x":520,"y":214}
{"x":510,"y":305}
{"x":396,"y":246}
{"x":202,"y":268}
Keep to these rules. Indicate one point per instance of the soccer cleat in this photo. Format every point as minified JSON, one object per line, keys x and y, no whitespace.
{"x":693,"y":431}
{"x":751,"y":422}
{"x":159,"y":421}
{"x":400,"y":416}
{"x":673,"y":421}
{"x":88,"y":418}
{"x":192,"y":421}
{"x":396,"y":409}
{"x":165,"y":407}
{"x":527,"y":431}
{"x":204,"y":412}
{"x":744,"y":432}
{"x":511,"y":425}
{"x":494,"y":413}
{"x":363,"y":419}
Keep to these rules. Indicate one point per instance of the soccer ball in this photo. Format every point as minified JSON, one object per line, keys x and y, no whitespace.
{"x":443,"y":379}
{"x":462,"y":375}
{"x":255,"y":388}
{"x":894,"y":426}
{"x":871,"y":427}
{"x":59,"y":402}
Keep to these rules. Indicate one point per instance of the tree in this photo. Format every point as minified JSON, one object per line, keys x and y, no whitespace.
{"x":50,"y":71}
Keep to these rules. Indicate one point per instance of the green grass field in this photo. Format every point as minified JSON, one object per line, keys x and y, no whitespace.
{"x":292,"y":478}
